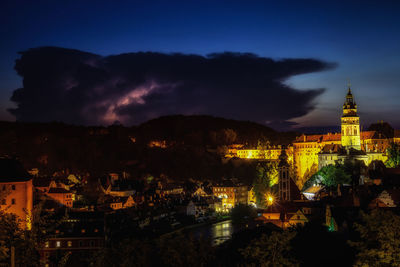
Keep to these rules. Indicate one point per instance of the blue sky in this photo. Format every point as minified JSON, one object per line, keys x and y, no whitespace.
{"x":362,"y":37}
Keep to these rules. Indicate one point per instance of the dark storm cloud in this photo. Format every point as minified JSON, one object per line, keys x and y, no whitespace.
{"x":82,"y":88}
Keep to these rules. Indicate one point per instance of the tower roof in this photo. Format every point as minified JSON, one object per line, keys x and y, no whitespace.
{"x":349,"y":106}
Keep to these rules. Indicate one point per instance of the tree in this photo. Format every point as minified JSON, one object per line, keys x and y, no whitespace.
{"x":355,"y":169}
{"x":11,"y":235}
{"x":272,"y":250}
{"x":128,"y":252}
{"x":379,"y":242}
{"x":393,"y":152}
{"x":329,"y":176}
{"x":181,"y":250}
{"x":242,"y":213}
{"x":266,"y":176}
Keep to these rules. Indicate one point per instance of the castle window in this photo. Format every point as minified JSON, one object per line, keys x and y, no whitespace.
{"x":58,"y":244}
{"x":3,"y":201}
{"x":13,"y":201}
{"x":13,"y":187}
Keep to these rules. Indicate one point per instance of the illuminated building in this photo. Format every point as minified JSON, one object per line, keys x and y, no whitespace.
{"x":312,"y":152}
{"x":309,"y":153}
{"x":230,"y":194}
{"x":271,"y":153}
{"x":16,"y":191}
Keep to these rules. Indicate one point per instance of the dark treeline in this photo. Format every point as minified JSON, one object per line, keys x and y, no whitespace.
{"x":193,"y":145}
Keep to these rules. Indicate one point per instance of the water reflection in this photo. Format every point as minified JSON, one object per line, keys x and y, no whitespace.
{"x":221,"y":232}
{"x":217,"y":232}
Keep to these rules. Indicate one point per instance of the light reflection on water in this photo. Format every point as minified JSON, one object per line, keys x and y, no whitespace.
{"x":217,"y":232}
{"x":221,"y":232}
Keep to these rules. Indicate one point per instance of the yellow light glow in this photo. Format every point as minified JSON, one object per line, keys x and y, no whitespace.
{"x":270,"y":199}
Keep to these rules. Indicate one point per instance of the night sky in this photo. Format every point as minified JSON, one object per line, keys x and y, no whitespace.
{"x":283,"y":63}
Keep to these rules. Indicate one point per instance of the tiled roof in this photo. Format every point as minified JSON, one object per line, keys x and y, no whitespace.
{"x":337,"y":137}
{"x":309,"y":138}
{"x":331,"y":148}
{"x":331,"y":137}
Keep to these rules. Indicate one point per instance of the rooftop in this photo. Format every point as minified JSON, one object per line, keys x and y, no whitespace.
{"x":12,"y":170}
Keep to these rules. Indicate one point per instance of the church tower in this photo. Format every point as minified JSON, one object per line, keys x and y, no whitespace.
{"x":350,"y":123}
{"x":284,"y":177}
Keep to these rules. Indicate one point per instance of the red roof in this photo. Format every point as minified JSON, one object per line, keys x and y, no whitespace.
{"x":330,"y":137}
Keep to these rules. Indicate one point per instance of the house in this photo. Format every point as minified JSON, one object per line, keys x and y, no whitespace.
{"x":43,"y":184}
{"x":117,"y":203}
{"x":16,"y":191}
{"x":284,"y":216}
{"x":197,"y":208}
{"x":312,"y":192}
{"x":230,"y":194}
{"x":202,"y":191}
{"x":389,"y":198}
{"x":117,"y":188}
{"x":61,"y":195}
{"x":169,"y":189}
{"x":79,"y":233}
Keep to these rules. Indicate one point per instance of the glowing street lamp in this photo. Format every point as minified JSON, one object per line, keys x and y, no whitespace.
{"x":270,"y":199}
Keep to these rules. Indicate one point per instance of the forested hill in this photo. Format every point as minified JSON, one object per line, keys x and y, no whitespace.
{"x":190,"y":140}
{"x":208,"y":130}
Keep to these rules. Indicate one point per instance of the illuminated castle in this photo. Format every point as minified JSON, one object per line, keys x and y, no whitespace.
{"x":309,"y":153}
{"x":312,"y":152}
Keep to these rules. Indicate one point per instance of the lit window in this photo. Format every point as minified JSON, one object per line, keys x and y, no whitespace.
{"x":83,"y":231}
{"x":69,"y":243}
{"x":58,"y":244}
{"x":46,"y":244}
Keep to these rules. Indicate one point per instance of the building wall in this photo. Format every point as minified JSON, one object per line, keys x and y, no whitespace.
{"x":19,"y":201}
{"x":65,"y":199}
{"x":231,"y":196}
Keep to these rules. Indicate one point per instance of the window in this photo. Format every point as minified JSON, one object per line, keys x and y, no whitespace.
{"x":13,"y":201}
{"x":46,"y":244}
{"x":3,"y":201}
{"x":4,"y":188}
{"x":92,"y":243}
{"x":58,"y":244}
{"x":69,"y":243}
{"x":13,"y":187}
{"x":80,"y":243}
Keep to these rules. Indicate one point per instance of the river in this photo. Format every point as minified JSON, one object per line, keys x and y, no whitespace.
{"x":218,"y":232}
